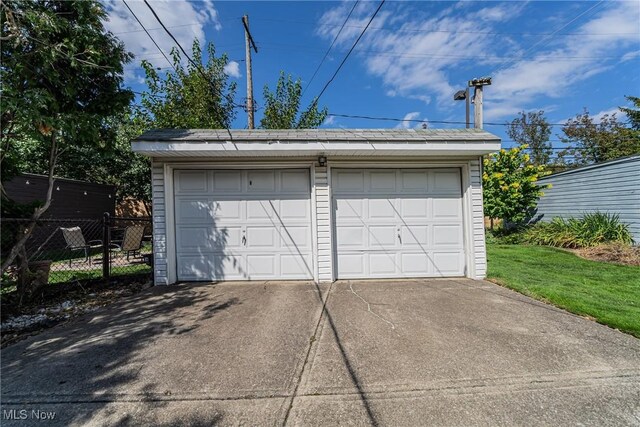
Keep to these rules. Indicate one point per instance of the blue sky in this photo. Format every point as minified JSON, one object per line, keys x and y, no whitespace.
{"x":560,"y":57}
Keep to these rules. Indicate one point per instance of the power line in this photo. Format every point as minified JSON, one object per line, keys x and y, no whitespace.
{"x":315,"y":102}
{"x":275,"y":46}
{"x":448,"y":122}
{"x":330,"y":47}
{"x":152,"y":39}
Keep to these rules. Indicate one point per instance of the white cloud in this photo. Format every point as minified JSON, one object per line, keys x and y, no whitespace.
{"x":620,"y":115}
{"x":185,"y":20}
{"x":553,"y":72}
{"x":417,"y":57}
{"x":232,"y":69}
{"x":330,"y":120}
{"x":406,"y":123}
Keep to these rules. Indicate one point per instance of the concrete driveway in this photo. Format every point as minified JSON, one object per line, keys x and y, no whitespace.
{"x":415,"y":352}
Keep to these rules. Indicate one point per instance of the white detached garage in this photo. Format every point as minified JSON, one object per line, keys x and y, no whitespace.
{"x":316,"y":204}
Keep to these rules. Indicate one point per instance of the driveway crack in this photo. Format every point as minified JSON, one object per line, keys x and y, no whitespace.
{"x":393,"y":326}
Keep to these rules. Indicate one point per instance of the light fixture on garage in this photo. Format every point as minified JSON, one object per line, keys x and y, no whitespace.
{"x":322,"y":161}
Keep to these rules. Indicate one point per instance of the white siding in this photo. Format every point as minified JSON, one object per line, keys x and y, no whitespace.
{"x":477,"y":226}
{"x":612,"y":187}
{"x":323,"y":218}
{"x":159,"y":224}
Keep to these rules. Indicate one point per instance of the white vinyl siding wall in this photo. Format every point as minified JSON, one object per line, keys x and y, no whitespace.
{"x":612,"y":187}
{"x":159,"y":224}
{"x":323,"y":224}
{"x":477,"y":223}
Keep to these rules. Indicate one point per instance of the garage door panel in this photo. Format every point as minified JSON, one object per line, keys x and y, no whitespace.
{"x":193,"y":268}
{"x":271,"y":208}
{"x":414,"y":181}
{"x":260,"y":237}
{"x":349,"y":208}
{"x":194,"y":209}
{"x":294,"y":209}
{"x":446,"y":181}
{"x":227,"y":210}
{"x":191,"y":182}
{"x":425,"y":209}
{"x":381,"y":209}
{"x":295,"y":266}
{"x":416,"y":263}
{"x":447,"y":263}
{"x":382,"y":236}
{"x":351,"y":264}
{"x":382,"y":181}
{"x":227,"y":182}
{"x":449,"y":207}
{"x":415,"y":235}
{"x":262,"y":181}
{"x":349,"y":181}
{"x":259,"y":209}
{"x":227,"y":238}
{"x":351,"y":236}
{"x":260,"y":266}
{"x":295,"y":237}
{"x":383,"y":264}
{"x":447,"y":235}
{"x":414,"y":207}
{"x":295,"y":182}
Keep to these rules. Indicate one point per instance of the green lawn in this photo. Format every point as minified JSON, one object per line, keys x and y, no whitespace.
{"x":607,"y":292}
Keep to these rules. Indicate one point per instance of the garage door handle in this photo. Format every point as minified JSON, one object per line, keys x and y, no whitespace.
{"x":244,"y":240}
{"x":399,"y":237}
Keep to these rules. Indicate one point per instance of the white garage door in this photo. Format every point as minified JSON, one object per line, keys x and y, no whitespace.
{"x":243,"y":224}
{"x":398,"y":223}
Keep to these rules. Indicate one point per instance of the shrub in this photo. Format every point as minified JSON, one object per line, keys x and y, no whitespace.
{"x":590,"y":230}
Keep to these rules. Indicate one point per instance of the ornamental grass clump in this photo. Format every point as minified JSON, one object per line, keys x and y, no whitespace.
{"x":590,"y":230}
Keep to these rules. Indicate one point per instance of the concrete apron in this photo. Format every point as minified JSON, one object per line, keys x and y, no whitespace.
{"x":409,"y":352}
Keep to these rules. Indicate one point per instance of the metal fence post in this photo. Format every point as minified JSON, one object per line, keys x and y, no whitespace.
{"x":106,"y":243}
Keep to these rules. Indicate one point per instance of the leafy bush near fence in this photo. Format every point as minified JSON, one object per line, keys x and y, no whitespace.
{"x":591,"y":230}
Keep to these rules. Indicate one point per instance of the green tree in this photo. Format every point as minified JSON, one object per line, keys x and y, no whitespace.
{"x":532,"y":129}
{"x":191,"y":97}
{"x":592,"y":142}
{"x":282,"y":107}
{"x":61,"y":81}
{"x":510,"y":187}
{"x":633,"y":113}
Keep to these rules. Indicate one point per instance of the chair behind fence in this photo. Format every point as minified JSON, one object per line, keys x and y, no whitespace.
{"x":84,"y":249}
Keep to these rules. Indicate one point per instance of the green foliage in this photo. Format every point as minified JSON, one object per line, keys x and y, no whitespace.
{"x":506,"y":236}
{"x":633,"y":113}
{"x":533,"y":130}
{"x":61,"y":75}
{"x":282,"y":107}
{"x":191,"y":97}
{"x":510,"y":186}
{"x":591,"y":230}
{"x":592,"y":142}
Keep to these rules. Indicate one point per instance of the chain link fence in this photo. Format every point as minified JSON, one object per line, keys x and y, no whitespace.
{"x":71,"y":250}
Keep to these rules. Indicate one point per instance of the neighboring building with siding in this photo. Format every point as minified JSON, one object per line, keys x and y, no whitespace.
{"x":612,"y":187}
{"x":321,"y":204}
{"x":72,"y":199}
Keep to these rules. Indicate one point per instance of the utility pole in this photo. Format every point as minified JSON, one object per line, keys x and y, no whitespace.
{"x":249,"y":44}
{"x":477,"y":85}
